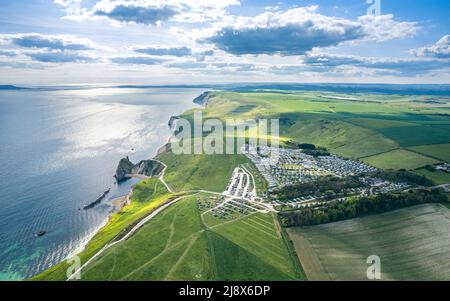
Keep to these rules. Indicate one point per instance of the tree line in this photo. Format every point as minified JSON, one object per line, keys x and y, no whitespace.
{"x":328,"y":186}
{"x":355,"y":207}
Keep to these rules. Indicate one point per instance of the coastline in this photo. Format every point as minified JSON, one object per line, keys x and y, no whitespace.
{"x":120,"y":202}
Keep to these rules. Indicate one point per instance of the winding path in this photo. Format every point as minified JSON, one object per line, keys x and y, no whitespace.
{"x":131,"y":232}
{"x":161,"y":177}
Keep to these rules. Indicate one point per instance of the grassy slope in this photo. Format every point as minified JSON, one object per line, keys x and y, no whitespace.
{"x":194,"y":172}
{"x":177,"y":246}
{"x":413,"y":244}
{"x":153,"y":252}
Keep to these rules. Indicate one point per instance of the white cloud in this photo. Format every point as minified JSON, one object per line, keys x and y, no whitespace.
{"x":384,"y":27}
{"x":52,"y":42}
{"x":321,"y":62}
{"x":299,"y":30}
{"x":439,"y":50}
{"x":51,"y":48}
{"x":151,"y":12}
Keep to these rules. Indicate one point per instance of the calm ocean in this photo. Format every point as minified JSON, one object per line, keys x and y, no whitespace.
{"x":58,"y":152}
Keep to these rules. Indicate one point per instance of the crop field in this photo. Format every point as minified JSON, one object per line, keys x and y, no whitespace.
{"x":258,"y":234}
{"x":398,"y":159}
{"x":438,"y":177}
{"x":423,"y":134}
{"x":438,"y":151}
{"x":412,"y":243}
{"x":176,"y":245}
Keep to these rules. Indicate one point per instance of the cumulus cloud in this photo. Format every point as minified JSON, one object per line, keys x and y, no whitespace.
{"x":174,"y":51}
{"x":59,"y":57}
{"x":187,"y":65}
{"x":239,"y":67}
{"x":299,"y":30}
{"x":329,"y":62}
{"x":439,"y":50}
{"x":384,"y":27}
{"x":137,"y":60}
{"x":7,"y":53}
{"x":152,"y":12}
{"x":213,"y":66}
{"x":293,"y":32}
{"x":136,"y":14}
{"x":20,"y":65}
{"x":35,"y":40}
{"x":164,"y":51}
{"x":50,"y":48}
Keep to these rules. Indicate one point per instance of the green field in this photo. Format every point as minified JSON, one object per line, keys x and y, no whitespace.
{"x":176,"y":245}
{"x":412,"y":243}
{"x":195,"y":172}
{"x":438,"y":177}
{"x":437,"y":151}
{"x":398,"y":159}
{"x":418,"y":135}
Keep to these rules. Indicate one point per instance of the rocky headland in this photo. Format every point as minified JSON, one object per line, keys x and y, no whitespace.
{"x":126,"y":169}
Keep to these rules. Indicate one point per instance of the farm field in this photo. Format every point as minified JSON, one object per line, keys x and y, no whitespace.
{"x":398,"y":159}
{"x":438,"y":177}
{"x":176,"y":245}
{"x":412,"y":243}
{"x":423,"y":134}
{"x":438,"y":151}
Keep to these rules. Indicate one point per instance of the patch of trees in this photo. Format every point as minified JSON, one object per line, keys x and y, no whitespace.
{"x":328,"y":186}
{"x":319,"y":152}
{"x":403,"y":176}
{"x":307,"y":146}
{"x":351,"y":208}
{"x":287,"y":122}
{"x":431,"y":168}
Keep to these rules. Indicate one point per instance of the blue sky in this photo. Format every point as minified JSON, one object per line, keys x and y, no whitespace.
{"x":208,"y":41}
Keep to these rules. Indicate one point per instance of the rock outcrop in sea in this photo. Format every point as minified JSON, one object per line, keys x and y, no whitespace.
{"x":126,"y":169}
{"x":173,"y":121}
{"x":203,"y":99}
